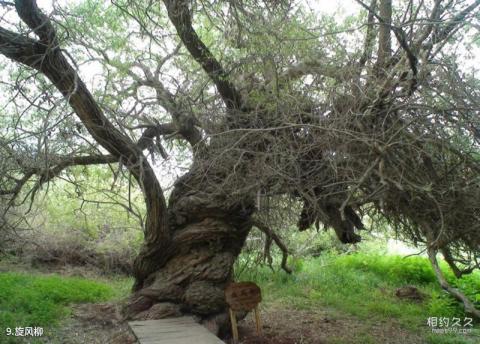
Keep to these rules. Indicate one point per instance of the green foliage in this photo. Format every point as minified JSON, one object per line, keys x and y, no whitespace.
{"x":469,"y":284}
{"x":95,"y":19}
{"x":85,"y":222}
{"x":90,"y":203}
{"x":296,"y":264}
{"x":396,"y":269}
{"x":442,"y":304}
{"x":29,"y":300}
{"x":363,"y":285}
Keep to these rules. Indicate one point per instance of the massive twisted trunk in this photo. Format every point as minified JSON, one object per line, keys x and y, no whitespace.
{"x":189,"y":274}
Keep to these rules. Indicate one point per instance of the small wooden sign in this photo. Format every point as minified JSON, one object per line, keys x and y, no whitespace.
{"x":243,"y":296}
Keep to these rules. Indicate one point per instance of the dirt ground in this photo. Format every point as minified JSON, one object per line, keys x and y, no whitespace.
{"x":99,"y":324}
{"x":282,"y":326}
{"x":93,"y":324}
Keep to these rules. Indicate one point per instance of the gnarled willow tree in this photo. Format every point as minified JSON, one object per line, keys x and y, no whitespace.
{"x":274,"y":103}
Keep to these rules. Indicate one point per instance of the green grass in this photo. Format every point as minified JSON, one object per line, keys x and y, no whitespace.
{"x":364,"y":285}
{"x":28,"y":300}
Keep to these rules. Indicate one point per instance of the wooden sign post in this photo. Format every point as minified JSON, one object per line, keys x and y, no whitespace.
{"x":243,"y":296}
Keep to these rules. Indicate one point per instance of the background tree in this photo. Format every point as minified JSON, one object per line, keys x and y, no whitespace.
{"x":276,"y":106}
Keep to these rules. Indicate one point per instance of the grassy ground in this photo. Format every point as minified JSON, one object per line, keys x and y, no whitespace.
{"x":353,"y":293}
{"x":33,"y":300}
{"x":364,"y":286}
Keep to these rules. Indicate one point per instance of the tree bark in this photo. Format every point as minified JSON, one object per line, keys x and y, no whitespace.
{"x":384,"y":37}
{"x":190,"y":274}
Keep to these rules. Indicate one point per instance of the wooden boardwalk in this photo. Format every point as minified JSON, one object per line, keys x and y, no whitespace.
{"x":183,"y":330}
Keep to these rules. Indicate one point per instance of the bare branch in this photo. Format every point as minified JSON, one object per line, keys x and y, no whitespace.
{"x":384,"y":37}
{"x":7,"y":3}
{"x":469,"y":306}
{"x":180,"y":16}
{"x":384,"y":53}
{"x":459,"y":20}
{"x":311,"y":68}
{"x":447,"y":255}
{"x":37,"y":21}
{"x":271,"y":234}
{"x":369,"y":36}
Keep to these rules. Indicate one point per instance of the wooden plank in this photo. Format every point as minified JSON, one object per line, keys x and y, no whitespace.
{"x":182,"y":330}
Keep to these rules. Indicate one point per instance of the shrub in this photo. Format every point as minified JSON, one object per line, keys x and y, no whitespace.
{"x":111,"y":252}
